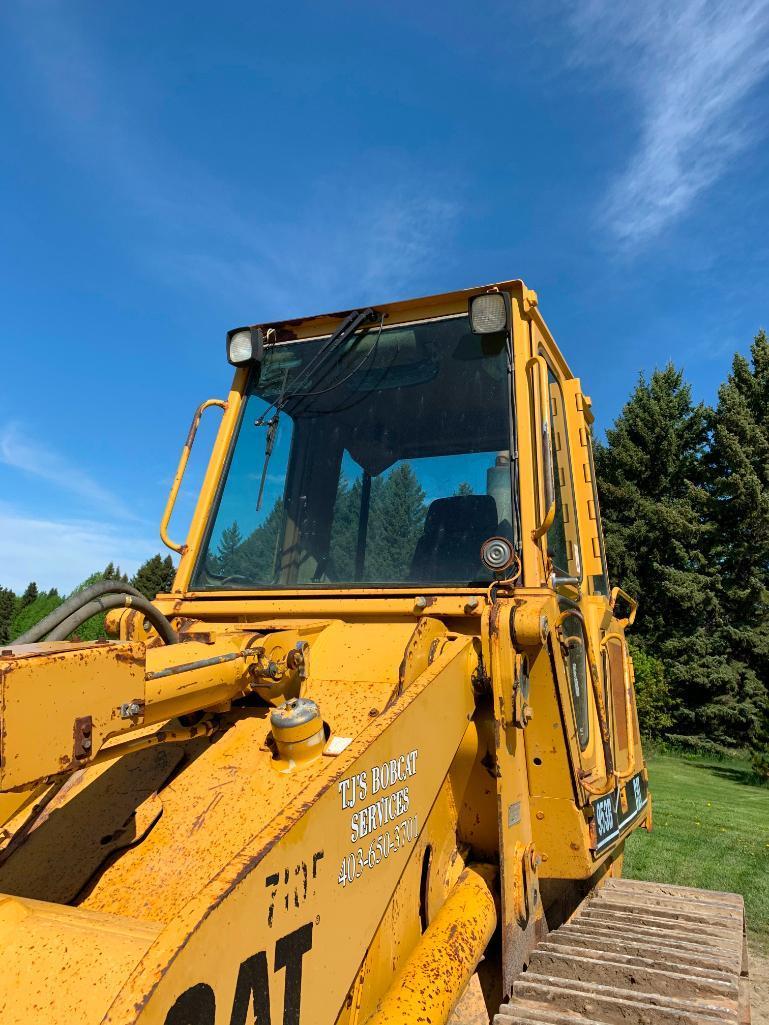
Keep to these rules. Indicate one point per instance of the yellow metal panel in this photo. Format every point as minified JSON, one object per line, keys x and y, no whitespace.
{"x":63,"y":965}
{"x":96,"y":814}
{"x":562,"y":839}
{"x":519,"y":888}
{"x":80,"y":687}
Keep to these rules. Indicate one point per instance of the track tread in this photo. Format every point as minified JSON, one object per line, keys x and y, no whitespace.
{"x":638,"y":954}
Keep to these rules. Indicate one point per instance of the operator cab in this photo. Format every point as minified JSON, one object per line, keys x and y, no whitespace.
{"x":375,"y":452}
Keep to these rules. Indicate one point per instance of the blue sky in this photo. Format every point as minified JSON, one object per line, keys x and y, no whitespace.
{"x":171,"y":170}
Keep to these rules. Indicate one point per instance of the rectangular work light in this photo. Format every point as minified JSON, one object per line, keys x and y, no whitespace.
{"x":490,"y":313}
{"x":245,"y":345}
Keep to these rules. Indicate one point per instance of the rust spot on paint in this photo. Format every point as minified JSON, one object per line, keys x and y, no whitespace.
{"x":129,"y":656}
{"x":494,"y":620}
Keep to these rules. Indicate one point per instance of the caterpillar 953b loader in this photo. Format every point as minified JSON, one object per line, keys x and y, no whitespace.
{"x":376,"y":756}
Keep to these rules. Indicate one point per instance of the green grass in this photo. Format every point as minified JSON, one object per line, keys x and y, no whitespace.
{"x":711,"y":830}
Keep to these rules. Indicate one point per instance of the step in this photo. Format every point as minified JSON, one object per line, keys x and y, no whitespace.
{"x":674,"y":891}
{"x":630,"y":972}
{"x":684,"y":956}
{"x":615,"y":1005}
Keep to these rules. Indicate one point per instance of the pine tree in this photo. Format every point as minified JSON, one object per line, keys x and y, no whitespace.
{"x":739,"y":467}
{"x":344,"y":530}
{"x":396,"y":521}
{"x":256,"y":555}
{"x":155,"y":576}
{"x":112,"y":572}
{"x":227,"y":551}
{"x":8,"y":602}
{"x":29,"y":595}
{"x":654,"y":504}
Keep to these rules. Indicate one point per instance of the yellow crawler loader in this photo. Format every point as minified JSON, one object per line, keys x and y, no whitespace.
{"x":376,"y":756}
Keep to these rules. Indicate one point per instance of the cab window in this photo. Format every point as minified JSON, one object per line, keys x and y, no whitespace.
{"x":562,"y":541}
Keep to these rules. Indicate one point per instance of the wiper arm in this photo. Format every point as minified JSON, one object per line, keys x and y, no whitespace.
{"x":345,"y":330}
{"x":269,"y":441}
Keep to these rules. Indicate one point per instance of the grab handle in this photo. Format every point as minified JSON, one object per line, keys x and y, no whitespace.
{"x":180,"y":473}
{"x":617,"y":592}
{"x":545,"y":443}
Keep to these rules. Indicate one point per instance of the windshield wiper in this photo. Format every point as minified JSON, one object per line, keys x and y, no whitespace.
{"x":345,"y":330}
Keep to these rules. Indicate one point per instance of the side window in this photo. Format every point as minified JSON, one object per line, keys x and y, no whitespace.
{"x":562,"y":540}
{"x":576,"y":670}
{"x":598,"y":582}
{"x":614,"y":672}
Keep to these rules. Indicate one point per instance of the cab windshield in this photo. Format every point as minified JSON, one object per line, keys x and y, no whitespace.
{"x":389,"y":463}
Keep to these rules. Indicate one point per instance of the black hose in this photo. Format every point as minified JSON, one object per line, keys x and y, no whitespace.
{"x":116,"y":601}
{"x":72,"y":604}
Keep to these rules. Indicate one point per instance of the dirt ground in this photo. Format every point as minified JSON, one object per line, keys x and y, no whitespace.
{"x":759,"y":988}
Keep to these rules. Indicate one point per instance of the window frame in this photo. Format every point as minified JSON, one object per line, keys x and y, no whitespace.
{"x":198,"y":587}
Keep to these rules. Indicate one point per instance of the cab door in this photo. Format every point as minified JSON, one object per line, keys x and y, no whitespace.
{"x":587,"y":641}
{"x":598,"y":603}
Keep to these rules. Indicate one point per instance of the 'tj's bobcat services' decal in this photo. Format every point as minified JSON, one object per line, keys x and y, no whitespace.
{"x":380,"y":823}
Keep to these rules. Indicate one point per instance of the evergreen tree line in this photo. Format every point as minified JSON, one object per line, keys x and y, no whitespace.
{"x":684,"y":492}
{"x":18,"y":613}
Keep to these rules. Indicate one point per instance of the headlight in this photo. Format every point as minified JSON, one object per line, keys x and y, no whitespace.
{"x":489,"y":313}
{"x":245,"y":345}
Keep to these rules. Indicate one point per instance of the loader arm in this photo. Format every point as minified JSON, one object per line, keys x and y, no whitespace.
{"x":300,"y":897}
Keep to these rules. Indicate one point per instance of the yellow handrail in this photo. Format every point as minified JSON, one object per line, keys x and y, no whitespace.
{"x":180,"y":473}
{"x":617,"y":592}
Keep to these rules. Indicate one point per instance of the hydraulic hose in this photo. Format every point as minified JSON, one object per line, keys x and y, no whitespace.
{"x":115,"y":601}
{"x":72,"y":604}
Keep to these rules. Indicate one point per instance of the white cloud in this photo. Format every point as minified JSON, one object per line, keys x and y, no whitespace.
{"x":24,"y":453}
{"x":692,"y":66}
{"x":62,"y":553}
